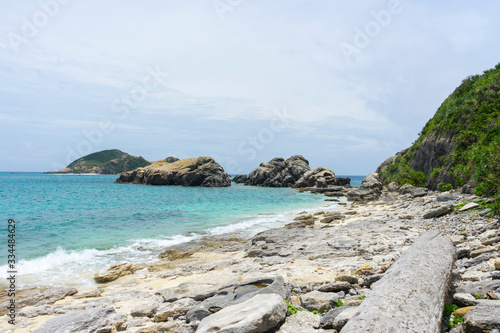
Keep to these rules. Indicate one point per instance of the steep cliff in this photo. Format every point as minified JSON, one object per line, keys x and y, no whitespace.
{"x":460,"y":145}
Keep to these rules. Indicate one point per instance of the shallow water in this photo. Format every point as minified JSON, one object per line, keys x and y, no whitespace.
{"x":70,"y":226}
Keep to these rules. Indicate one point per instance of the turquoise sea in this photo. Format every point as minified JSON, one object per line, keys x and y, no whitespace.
{"x":69,"y":227}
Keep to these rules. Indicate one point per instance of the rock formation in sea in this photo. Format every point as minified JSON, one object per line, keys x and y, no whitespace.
{"x":279,"y":172}
{"x":458,"y":147}
{"x":321,"y":177}
{"x":201,"y":171}
{"x":105,"y":162}
{"x":240,"y":179}
{"x":370,"y":189}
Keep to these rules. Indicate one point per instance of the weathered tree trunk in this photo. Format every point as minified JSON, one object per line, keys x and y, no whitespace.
{"x":410,"y":296}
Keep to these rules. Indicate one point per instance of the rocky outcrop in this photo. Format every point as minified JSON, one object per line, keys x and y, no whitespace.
{"x":321,"y":178}
{"x":260,"y":313}
{"x":279,"y":172}
{"x":370,"y":189}
{"x":429,"y":155}
{"x":115,"y":272}
{"x":106,"y":162}
{"x":240,"y":179}
{"x":389,"y":161}
{"x":201,"y":171}
{"x":318,"y":177}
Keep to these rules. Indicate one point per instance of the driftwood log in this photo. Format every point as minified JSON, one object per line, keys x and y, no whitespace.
{"x":410,"y":296}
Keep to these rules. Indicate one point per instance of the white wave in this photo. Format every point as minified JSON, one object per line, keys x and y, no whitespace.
{"x":155,"y":243}
{"x":78,"y":266}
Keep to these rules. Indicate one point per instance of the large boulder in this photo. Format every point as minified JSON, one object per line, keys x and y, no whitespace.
{"x":319,"y":301}
{"x":201,"y":171}
{"x":279,"y":172}
{"x":318,"y":177}
{"x":260,"y":313}
{"x":239,"y":293}
{"x":114,"y":272}
{"x":370,"y":189}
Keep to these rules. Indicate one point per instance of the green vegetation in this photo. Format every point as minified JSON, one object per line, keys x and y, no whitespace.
{"x":404,"y":174}
{"x":319,"y":313}
{"x":445,"y":187}
{"x":98,"y":158}
{"x":494,"y":206}
{"x":292,"y":309}
{"x":467,"y":125}
{"x":449,"y":308}
{"x":340,"y":303}
{"x":455,"y":321}
{"x":361,"y":297}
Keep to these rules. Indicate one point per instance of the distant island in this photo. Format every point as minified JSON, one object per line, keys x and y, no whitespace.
{"x":106,"y":162}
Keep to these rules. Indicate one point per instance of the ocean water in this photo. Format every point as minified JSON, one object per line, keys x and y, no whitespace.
{"x":69,"y":227}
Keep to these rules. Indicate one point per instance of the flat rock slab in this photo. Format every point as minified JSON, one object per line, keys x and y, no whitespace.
{"x":470,"y":205}
{"x":83,"y":321}
{"x":260,"y":313}
{"x":448,"y":208}
{"x":415,"y":284}
{"x":198,"y":292}
{"x":479,"y":289}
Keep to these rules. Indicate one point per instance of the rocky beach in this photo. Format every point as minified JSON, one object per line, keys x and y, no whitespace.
{"x":323,"y":263}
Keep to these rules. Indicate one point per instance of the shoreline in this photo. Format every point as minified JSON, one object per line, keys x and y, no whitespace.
{"x":307,"y":253}
{"x":245,"y":227}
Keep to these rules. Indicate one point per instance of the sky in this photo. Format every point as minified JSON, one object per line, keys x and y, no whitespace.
{"x":345,"y":84}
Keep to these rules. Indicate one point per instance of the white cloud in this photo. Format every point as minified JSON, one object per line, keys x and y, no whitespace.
{"x":227,"y":77}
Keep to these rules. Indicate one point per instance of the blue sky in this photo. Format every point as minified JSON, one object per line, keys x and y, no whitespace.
{"x":345,"y":84}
